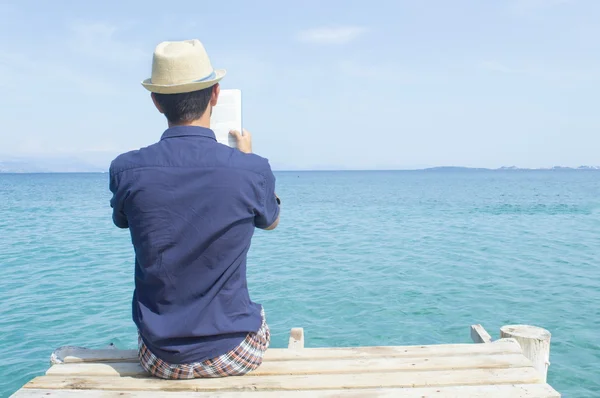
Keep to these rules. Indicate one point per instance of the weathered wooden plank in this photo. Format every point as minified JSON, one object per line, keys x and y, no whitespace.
{"x":480,"y":335}
{"x":372,"y":365}
{"x":298,"y":382}
{"x":499,"y":347}
{"x":534,"y":341}
{"x":76,"y":354}
{"x":296,"y":340}
{"x":498,"y":391}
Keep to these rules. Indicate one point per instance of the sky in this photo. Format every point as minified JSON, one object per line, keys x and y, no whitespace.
{"x":326,"y":84}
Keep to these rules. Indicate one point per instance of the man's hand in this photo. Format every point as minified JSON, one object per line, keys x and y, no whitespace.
{"x":243,"y":141}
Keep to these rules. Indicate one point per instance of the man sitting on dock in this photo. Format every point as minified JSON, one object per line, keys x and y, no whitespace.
{"x":191,"y":205}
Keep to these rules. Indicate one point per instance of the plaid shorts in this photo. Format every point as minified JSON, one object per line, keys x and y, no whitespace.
{"x":243,"y":359}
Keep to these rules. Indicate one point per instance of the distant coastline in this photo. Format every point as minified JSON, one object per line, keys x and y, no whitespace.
{"x":509,"y":168}
{"x":99,"y":162}
{"x":20,"y":168}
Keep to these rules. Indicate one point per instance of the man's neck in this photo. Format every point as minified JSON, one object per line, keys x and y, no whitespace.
{"x":204,"y":121}
{"x":196,"y":123}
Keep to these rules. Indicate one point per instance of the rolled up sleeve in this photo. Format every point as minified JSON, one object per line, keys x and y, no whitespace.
{"x":268,"y":209}
{"x":119,"y":217}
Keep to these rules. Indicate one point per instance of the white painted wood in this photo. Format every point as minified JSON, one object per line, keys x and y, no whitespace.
{"x":505,"y":346}
{"x":480,"y":335}
{"x":534,"y":341}
{"x":497,"y":391}
{"x":80,"y":354}
{"x":305,"y":367}
{"x":296,"y":340}
{"x":298,"y":382}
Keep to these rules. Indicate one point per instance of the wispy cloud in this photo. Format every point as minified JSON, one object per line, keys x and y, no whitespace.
{"x":544,"y":71}
{"x":99,"y":40}
{"x":528,"y":6}
{"x":389,"y":72}
{"x":92,"y":47}
{"x":24,"y":69}
{"x":331,"y":35}
{"x":496,"y":66}
{"x":6,"y":8}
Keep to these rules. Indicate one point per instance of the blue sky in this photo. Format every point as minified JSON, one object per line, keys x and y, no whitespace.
{"x":326,"y":84}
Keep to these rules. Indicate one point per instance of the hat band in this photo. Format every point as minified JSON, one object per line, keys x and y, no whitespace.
{"x":211,"y":76}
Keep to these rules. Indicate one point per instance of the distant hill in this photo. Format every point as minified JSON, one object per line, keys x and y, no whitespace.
{"x":454,"y":168}
{"x":98,"y":162}
{"x":50,"y":165}
{"x":509,"y":168}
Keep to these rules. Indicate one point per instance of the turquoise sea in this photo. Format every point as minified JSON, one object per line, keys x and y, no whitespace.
{"x":360,"y":258}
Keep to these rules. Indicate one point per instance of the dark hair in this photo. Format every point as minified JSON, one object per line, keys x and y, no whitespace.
{"x":185,"y":107}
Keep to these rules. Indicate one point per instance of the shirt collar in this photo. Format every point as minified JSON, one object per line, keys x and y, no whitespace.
{"x":187,"y":131}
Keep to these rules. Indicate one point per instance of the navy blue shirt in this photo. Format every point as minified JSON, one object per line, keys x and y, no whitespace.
{"x":191,"y":206}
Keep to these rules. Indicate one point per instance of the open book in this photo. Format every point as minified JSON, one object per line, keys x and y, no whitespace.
{"x":226,"y":116}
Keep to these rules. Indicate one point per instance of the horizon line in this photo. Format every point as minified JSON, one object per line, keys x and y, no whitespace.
{"x":434,"y":168}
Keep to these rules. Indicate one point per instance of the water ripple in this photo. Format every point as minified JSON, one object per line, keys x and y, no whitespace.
{"x":360,"y":258}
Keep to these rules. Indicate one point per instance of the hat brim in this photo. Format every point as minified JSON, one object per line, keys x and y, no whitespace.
{"x":184,"y":87}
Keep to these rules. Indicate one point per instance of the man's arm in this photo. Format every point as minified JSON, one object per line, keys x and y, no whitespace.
{"x":276,"y":222}
{"x":267,"y":214}
{"x":273,"y":226}
{"x":116,"y":202}
{"x":267,"y":217}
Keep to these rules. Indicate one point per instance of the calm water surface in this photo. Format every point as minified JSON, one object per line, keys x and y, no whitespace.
{"x":360,"y":258}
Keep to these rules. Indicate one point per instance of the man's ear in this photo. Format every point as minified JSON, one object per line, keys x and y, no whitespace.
{"x":156,"y":104}
{"x":214,"y":97}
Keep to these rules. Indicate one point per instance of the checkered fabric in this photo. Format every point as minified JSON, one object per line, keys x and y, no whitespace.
{"x":243,"y":359}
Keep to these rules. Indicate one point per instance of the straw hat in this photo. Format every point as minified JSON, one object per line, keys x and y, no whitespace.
{"x":181,"y":67}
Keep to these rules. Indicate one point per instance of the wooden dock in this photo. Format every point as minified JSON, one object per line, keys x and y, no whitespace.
{"x":490,"y":369}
